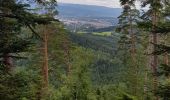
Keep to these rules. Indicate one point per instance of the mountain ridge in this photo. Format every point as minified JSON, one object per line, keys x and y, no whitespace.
{"x":79,"y":10}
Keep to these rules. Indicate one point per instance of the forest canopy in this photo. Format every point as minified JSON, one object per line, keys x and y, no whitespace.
{"x":42,"y":58}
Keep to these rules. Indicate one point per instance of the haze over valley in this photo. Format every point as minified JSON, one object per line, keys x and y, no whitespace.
{"x":87,"y":16}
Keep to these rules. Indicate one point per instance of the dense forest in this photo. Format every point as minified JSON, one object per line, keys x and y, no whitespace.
{"x":42,"y":59}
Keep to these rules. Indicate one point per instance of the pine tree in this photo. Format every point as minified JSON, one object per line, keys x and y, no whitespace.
{"x":163,"y":49}
{"x":152,"y":18}
{"x":127,"y":22}
{"x":14,"y":16}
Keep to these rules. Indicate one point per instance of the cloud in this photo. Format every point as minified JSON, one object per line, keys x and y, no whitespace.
{"x":106,"y":3}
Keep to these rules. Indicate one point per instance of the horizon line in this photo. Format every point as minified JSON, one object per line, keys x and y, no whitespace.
{"x":88,"y":4}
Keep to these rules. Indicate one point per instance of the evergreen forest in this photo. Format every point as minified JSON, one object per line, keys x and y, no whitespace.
{"x":41,"y":58}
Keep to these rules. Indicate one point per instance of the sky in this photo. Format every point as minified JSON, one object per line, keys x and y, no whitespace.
{"x":106,"y":3}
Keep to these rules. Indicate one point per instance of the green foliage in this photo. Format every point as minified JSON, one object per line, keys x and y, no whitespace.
{"x":19,"y":85}
{"x":95,"y":42}
{"x":78,"y":84}
{"x":113,"y":92}
{"x":163,"y":90}
{"x":164,"y":86}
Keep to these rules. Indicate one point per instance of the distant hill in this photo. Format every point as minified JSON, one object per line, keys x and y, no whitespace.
{"x":77,"y":10}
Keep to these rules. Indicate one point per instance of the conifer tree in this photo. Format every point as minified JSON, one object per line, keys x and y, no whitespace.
{"x":127,"y":22}
{"x":163,"y":49}
{"x":152,"y":20}
{"x":14,"y":16}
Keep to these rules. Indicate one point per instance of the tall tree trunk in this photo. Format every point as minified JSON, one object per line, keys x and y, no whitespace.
{"x":154,"y":57}
{"x":45,"y":66}
{"x":44,"y":71}
{"x":133,"y":52}
{"x":7,"y":59}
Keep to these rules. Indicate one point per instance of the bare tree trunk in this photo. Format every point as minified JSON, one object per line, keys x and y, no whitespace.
{"x":44,"y":71}
{"x":154,"y":57}
{"x":46,"y":57}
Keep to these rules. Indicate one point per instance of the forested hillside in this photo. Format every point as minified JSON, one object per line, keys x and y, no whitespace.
{"x":43,"y":57}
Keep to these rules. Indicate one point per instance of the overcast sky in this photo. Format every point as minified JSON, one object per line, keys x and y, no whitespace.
{"x":106,"y":3}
